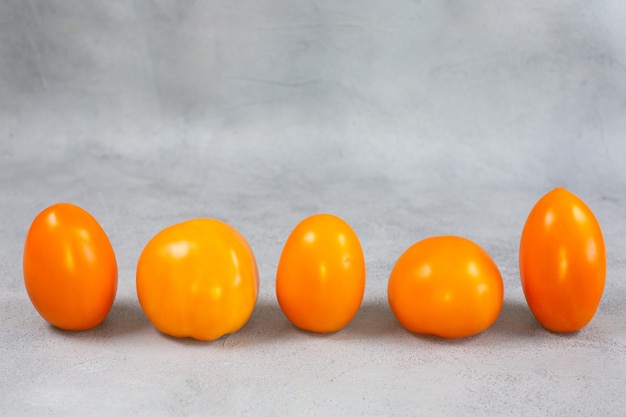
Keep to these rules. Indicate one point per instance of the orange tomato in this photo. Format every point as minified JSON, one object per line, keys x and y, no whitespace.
{"x":562,"y":262}
{"x":321,"y":274}
{"x":446,"y":286}
{"x":70,"y":271}
{"x":197,"y":279}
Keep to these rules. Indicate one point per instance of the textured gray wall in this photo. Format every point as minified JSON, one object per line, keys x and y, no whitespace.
{"x":448,"y":92}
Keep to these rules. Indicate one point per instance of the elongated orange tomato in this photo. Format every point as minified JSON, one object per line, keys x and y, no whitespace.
{"x":321,"y":274}
{"x":198,"y":279}
{"x":446,"y":286}
{"x":70,"y":271}
{"x":562,"y":262}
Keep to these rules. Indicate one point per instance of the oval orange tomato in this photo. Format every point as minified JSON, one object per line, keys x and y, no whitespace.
{"x":562,"y":262}
{"x":321,"y":274}
{"x":70,"y":271}
{"x":446,"y":286}
{"x":198,"y":279}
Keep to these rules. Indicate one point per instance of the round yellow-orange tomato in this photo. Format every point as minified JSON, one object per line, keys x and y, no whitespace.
{"x":321,"y":274}
{"x":562,"y":262}
{"x":70,"y":271}
{"x":446,"y":286}
{"x":197,"y":279}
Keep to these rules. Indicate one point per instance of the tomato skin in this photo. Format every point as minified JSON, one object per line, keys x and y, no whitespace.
{"x":446,"y":286}
{"x":70,"y":270}
{"x":562,"y":262}
{"x":197,"y":279}
{"x":320,"y":279}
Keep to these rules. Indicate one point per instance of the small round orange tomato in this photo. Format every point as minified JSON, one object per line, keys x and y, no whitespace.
{"x":70,"y":271}
{"x":446,"y":286}
{"x":197,"y":279}
{"x":321,"y":274}
{"x":562,"y":262}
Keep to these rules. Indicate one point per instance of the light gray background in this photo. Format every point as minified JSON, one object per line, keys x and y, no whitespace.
{"x":406,"y":118}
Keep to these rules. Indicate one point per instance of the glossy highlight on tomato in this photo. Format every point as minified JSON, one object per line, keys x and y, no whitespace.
{"x":70,"y":270}
{"x":562,"y":262}
{"x":446,"y":286}
{"x":197,"y":279}
{"x":321,"y":274}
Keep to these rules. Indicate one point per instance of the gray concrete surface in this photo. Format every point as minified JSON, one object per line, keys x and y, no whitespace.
{"x":406,"y":118}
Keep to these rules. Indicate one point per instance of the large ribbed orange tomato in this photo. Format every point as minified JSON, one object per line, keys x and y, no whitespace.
{"x":197,"y":279}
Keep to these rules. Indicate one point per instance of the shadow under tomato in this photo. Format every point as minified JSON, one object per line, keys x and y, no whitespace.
{"x":266,"y":325}
{"x":124,"y":319}
{"x":127,"y":317}
{"x":515,"y":321}
{"x":373,"y":320}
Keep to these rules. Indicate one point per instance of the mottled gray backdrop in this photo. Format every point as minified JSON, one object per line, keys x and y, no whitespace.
{"x":406,"y":118}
